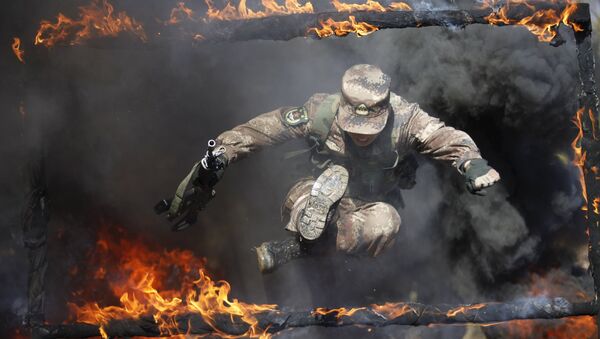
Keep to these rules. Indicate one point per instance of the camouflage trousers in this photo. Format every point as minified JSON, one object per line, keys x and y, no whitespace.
{"x":359,"y":227}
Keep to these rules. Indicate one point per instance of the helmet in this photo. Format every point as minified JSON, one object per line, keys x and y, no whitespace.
{"x":365,"y":101}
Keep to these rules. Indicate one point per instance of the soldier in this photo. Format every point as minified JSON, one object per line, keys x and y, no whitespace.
{"x":362,"y":141}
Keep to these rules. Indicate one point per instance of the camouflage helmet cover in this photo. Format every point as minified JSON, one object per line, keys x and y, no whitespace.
{"x":365,"y":102}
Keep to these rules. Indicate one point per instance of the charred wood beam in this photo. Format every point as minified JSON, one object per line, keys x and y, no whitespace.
{"x":287,"y":27}
{"x":589,"y":103}
{"x":35,"y":224}
{"x":412,"y":314}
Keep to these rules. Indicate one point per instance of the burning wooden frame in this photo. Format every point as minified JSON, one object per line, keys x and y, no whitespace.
{"x":587,"y":155}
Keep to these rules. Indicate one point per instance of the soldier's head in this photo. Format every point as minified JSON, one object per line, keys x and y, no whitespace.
{"x":365,"y":103}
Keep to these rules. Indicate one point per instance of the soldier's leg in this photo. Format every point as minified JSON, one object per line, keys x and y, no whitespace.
{"x":309,"y":207}
{"x":368,"y":228}
{"x":272,"y":254}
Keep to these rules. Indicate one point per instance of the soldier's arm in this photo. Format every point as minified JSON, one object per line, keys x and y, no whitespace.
{"x":267,"y":129}
{"x":432,"y":137}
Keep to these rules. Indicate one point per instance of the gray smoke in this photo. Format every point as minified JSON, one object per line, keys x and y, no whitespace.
{"x":122,"y":127}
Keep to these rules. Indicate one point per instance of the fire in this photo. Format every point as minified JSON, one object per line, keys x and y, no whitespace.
{"x":339,"y":312}
{"x":579,"y":155}
{"x":16,"y":47}
{"x":455,"y":311}
{"x":393,"y":310}
{"x":543,"y":23}
{"x":399,"y":6}
{"x":331,"y":27}
{"x":370,"y":5}
{"x":160,"y":284}
{"x":180,"y":13}
{"x":270,"y":7}
{"x":555,"y":283}
{"x":97,"y":19}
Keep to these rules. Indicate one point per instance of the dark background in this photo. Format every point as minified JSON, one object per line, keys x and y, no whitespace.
{"x":121,"y":127}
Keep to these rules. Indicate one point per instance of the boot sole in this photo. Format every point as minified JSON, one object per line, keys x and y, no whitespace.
{"x":326,"y":191}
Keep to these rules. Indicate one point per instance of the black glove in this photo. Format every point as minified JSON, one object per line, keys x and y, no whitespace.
{"x":195,"y":190}
{"x":476,"y":169}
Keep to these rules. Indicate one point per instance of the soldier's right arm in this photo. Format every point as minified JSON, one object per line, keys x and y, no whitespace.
{"x":268,"y":129}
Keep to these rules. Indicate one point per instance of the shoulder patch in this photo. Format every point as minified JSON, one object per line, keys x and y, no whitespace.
{"x":295,"y":116}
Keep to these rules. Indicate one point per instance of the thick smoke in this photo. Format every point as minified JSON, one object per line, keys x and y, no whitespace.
{"x":121,"y":128}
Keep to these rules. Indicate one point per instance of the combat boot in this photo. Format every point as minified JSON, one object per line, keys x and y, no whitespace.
{"x":273,"y":254}
{"x":327,"y":190}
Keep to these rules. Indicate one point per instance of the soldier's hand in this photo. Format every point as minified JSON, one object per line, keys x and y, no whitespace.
{"x":478,"y":175}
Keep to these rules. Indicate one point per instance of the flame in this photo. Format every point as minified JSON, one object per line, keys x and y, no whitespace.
{"x":541,"y":22}
{"x":399,"y":6}
{"x":339,"y":312}
{"x":579,"y":155}
{"x":393,"y":310}
{"x":270,"y":7}
{"x":575,"y":327}
{"x":370,"y":5}
{"x":331,"y":27}
{"x":554,"y":283}
{"x":183,"y":13}
{"x":593,"y":122}
{"x":461,"y":309}
{"x":161,"y":284}
{"x":97,"y":19}
{"x":568,"y":328}
{"x":180,"y":13}
{"x":16,"y":47}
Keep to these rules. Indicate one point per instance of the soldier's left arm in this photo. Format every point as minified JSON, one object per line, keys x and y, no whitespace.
{"x":267,"y":129}
{"x":430,"y":136}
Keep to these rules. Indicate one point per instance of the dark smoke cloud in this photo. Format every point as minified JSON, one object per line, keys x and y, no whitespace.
{"x":122,"y":127}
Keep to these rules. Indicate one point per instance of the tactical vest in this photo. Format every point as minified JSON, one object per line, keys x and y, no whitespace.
{"x":375,"y":171}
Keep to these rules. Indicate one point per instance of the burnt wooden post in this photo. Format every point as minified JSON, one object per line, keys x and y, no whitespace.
{"x":35,"y":213}
{"x":411,"y":314}
{"x":588,"y":105}
{"x":35,"y":225}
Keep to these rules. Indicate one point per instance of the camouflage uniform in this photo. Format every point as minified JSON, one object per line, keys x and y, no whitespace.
{"x":367,"y":219}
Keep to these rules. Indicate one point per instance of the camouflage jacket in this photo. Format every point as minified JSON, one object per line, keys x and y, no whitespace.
{"x":410,"y":129}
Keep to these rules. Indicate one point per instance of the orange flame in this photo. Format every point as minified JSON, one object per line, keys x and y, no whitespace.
{"x":370,"y":5}
{"x":141,"y":277}
{"x":542,"y":22}
{"x":392,"y":310}
{"x":339,"y":312}
{"x":579,"y":155}
{"x":399,"y":6}
{"x":180,"y":13}
{"x":271,"y":7}
{"x":593,"y":122}
{"x":331,"y":27}
{"x":97,"y":19}
{"x":461,"y":309}
{"x":16,"y":47}
{"x":556,"y":283}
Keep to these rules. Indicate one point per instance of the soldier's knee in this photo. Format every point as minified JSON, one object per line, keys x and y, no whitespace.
{"x":384,"y":219}
{"x":370,"y":229}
